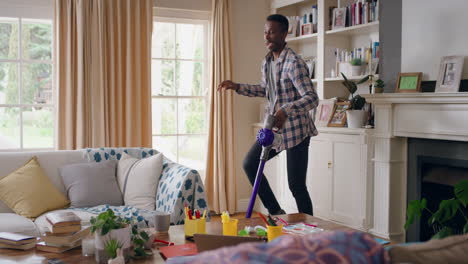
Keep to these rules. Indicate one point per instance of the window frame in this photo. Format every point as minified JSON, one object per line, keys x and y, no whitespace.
{"x":20,"y":63}
{"x":199,"y":18}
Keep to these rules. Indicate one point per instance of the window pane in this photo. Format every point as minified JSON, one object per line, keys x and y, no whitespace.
{"x":37,"y":83}
{"x":163,"y":40}
{"x":192,"y":151}
{"x":189,"y":41}
{"x":9,"y":128}
{"x":192,"y":116}
{"x":8,"y":38}
{"x":8,"y":83}
{"x":36,"y":40}
{"x":189,"y":78}
{"x":162,"y":77}
{"x":167,"y":145}
{"x":38,"y":127}
{"x":164,"y":116}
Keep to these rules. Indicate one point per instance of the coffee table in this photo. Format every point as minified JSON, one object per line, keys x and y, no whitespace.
{"x":175,"y":235}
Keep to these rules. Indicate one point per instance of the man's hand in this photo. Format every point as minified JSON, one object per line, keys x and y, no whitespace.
{"x":228,"y":85}
{"x":280,"y":118}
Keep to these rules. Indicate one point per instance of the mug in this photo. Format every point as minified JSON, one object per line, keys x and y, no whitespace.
{"x":162,"y":221}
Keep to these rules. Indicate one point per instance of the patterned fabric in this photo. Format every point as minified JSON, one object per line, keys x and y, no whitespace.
{"x":142,"y":218}
{"x":178,"y":185}
{"x":296,"y":95}
{"x":328,"y":247}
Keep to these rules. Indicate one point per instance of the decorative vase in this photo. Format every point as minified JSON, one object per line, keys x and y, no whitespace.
{"x":123,"y":235}
{"x":355,"y":118}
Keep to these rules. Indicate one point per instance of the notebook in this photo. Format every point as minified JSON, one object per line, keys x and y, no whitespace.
{"x":179,"y":250}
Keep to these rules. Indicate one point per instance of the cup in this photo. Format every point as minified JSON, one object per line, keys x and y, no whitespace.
{"x":194,"y":226}
{"x":162,"y":221}
{"x":230,"y":228}
{"x":87,"y":245}
{"x":274,"y":232}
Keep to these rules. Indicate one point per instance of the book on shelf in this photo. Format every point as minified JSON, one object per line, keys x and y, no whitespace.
{"x":63,"y":218}
{"x":18,"y":246}
{"x":53,"y":229}
{"x":65,"y":240}
{"x":15,"y":239}
{"x":43,"y":246}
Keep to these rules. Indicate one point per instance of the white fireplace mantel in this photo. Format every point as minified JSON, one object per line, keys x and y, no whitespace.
{"x":399,"y":116}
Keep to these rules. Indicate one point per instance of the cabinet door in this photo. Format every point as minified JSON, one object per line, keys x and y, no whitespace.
{"x":347,"y":181}
{"x":319,"y":174}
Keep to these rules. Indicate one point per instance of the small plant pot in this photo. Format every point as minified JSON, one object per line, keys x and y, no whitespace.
{"x":356,"y":70}
{"x":356,"y":118}
{"x":378,"y":89}
{"x":123,"y":235}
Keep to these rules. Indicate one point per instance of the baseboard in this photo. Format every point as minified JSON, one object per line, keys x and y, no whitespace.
{"x":243,"y":204}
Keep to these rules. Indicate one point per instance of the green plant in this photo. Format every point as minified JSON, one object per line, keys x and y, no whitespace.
{"x":379,"y":84}
{"x":111,"y":247}
{"x":139,"y":239}
{"x":107,"y":221}
{"x":356,"y":62}
{"x":357,"y":102}
{"x":448,"y":209}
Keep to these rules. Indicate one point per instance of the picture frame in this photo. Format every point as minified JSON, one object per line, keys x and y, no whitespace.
{"x":338,"y":118}
{"x":339,"y":18}
{"x":450,"y":71}
{"x":306,"y":29}
{"x":324,"y":112}
{"x":409,"y":82}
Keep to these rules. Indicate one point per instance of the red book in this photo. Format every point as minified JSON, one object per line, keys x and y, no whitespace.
{"x":179,"y":250}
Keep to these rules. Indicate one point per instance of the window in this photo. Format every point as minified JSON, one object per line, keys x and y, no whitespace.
{"x":27,"y":105}
{"x":179,"y":88}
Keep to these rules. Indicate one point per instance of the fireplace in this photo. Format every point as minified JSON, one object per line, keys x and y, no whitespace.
{"x":434,"y":167}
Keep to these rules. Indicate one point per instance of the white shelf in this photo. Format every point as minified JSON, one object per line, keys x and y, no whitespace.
{"x":284,"y":3}
{"x":314,"y":80}
{"x":309,"y":37}
{"x":352,"y":78}
{"x":357,"y":30}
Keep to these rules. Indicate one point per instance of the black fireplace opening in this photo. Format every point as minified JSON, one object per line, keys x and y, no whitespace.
{"x":434,"y":167}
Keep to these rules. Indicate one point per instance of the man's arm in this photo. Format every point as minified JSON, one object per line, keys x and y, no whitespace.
{"x":250,"y":90}
{"x":299,"y":75}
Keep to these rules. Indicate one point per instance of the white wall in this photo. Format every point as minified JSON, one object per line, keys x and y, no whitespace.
{"x":39,"y":9}
{"x":185,"y":4}
{"x":248,"y":50}
{"x":432,"y":29}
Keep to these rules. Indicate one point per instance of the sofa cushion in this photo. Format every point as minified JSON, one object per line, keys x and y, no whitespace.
{"x":10,"y":222}
{"x":29,"y":192}
{"x":90,"y":184}
{"x":453,"y":249}
{"x":50,"y":161}
{"x":138,"y":180}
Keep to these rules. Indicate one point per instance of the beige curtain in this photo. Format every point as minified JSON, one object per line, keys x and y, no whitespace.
{"x":220,"y":177}
{"x":103,"y":62}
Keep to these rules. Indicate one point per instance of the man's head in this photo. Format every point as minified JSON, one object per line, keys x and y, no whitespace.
{"x":276,"y":30}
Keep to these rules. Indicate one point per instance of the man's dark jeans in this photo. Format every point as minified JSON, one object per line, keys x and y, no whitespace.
{"x":297,"y":158}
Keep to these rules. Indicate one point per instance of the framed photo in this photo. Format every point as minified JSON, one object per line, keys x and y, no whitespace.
{"x":450,"y":71}
{"x":409,"y":82}
{"x":338,"y":118}
{"x":339,"y":18}
{"x":324,"y":112}
{"x":306,"y":29}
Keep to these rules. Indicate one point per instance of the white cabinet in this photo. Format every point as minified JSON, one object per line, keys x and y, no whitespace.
{"x":340,"y":175}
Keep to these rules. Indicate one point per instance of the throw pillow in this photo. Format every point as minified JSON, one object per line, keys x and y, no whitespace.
{"x":91,"y":184}
{"x":138,"y":180}
{"x":452,"y":249}
{"x":29,"y":192}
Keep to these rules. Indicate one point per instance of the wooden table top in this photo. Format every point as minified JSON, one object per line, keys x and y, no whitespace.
{"x":175,"y":235}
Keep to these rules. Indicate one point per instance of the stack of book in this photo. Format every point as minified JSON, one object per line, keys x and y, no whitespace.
{"x":65,"y":232}
{"x":16,"y":241}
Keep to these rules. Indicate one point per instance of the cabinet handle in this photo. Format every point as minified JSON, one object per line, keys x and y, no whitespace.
{"x":329,"y":164}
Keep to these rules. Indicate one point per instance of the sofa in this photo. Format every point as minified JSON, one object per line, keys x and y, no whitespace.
{"x":178,"y":186}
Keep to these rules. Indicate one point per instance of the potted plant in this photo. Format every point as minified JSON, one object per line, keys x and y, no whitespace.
{"x":107,"y":227}
{"x":448,"y":209}
{"x":114,"y":249}
{"x":356,"y":67}
{"x":378,"y":86}
{"x":355,"y":115}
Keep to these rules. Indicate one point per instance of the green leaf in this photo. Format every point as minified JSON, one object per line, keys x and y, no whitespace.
{"x":140,"y":252}
{"x":444,"y":232}
{"x":363,"y":80}
{"x":461,"y":192}
{"x":414,"y":210}
{"x":144,"y":235}
{"x":344,"y":77}
{"x":447,"y":210}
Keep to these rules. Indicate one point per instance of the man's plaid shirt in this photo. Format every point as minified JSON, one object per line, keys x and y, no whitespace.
{"x":295,"y":95}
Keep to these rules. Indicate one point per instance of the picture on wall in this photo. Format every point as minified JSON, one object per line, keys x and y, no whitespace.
{"x":409,"y":82}
{"x":449,"y":76}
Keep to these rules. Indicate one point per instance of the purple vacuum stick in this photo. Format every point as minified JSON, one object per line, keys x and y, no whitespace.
{"x":265,"y":138}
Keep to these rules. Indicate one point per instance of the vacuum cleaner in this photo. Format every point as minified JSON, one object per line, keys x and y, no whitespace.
{"x":268,"y":139}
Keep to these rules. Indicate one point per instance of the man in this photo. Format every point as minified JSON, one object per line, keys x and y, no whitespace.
{"x":286,"y":84}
